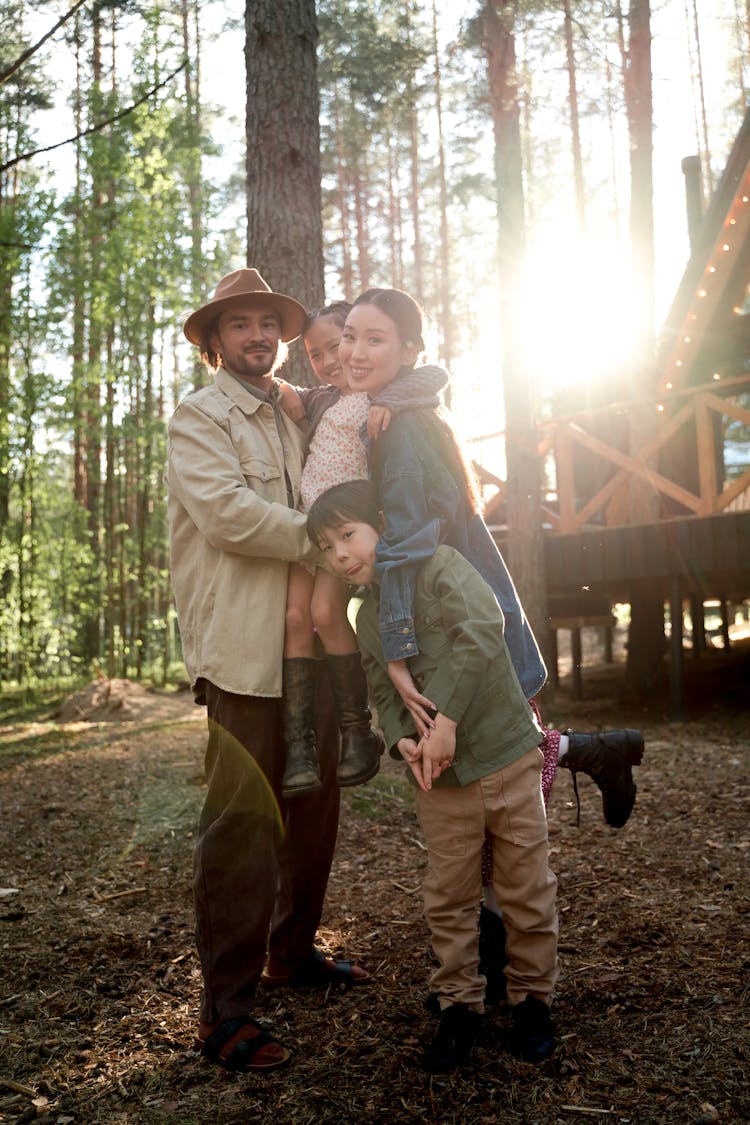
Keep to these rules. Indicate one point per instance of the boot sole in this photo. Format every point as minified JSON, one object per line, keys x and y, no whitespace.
{"x":288,"y":792}
{"x":360,"y":779}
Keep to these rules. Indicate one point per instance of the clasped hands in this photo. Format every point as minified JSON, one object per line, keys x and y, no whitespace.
{"x":433,"y":754}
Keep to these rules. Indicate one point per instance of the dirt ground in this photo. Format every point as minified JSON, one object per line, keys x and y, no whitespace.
{"x":100,"y":984}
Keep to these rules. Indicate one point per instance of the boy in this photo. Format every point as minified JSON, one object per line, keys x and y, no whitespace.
{"x":479,"y":768}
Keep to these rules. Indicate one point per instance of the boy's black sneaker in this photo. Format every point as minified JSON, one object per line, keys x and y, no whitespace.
{"x":533,"y":1039}
{"x":456,"y":1035}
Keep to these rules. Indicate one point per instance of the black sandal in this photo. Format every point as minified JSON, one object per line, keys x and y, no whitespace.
{"x":319,"y":971}
{"x":242,"y":1055}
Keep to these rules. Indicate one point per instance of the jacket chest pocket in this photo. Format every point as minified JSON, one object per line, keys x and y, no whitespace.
{"x":260,"y":461}
{"x":259,"y":469}
{"x":262,"y":476}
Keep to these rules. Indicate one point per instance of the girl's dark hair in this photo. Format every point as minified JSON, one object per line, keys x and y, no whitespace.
{"x":403,"y":310}
{"x":339,"y":310}
{"x":355,"y":501}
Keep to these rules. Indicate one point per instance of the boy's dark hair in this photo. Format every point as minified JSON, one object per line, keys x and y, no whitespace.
{"x":355,"y":501}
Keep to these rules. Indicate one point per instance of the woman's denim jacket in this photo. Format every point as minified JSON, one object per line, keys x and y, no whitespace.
{"x":424,"y":505}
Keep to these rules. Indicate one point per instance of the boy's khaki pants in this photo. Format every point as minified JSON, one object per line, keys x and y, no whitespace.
{"x":453,"y":820}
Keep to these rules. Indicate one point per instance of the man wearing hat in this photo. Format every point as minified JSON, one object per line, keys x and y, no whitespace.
{"x":260,"y":869}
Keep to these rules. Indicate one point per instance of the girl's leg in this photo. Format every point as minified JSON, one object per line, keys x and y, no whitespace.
{"x":302,"y":768}
{"x":361,"y":746}
{"x":299,"y":635}
{"x":550,"y":749}
{"x":329,"y":603}
{"x":606,"y":756}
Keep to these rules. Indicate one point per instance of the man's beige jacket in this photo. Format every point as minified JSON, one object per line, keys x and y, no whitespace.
{"x":232,"y":534}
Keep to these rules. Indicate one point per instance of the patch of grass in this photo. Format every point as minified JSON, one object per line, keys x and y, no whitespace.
{"x":376,"y":799}
{"x":38,"y":744}
{"x":27,"y":704}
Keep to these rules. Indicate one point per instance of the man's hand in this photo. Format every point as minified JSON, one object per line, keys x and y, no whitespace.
{"x":378,"y":421}
{"x":418,"y":706}
{"x":437,"y":751}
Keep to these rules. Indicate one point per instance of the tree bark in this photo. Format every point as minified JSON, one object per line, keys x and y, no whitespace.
{"x":446,"y":286}
{"x":284,"y":226}
{"x":644,"y":666}
{"x":525,"y":532}
{"x":575,"y":131}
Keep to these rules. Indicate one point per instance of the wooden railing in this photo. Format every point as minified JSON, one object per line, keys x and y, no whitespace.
{"x":588,"y":478}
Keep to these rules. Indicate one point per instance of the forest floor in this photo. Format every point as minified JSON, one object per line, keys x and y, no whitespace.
{"x":100,"y":983}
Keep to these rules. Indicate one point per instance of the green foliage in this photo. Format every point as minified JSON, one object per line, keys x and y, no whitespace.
{"x":97,"y":282}
{"x":96,"y":276}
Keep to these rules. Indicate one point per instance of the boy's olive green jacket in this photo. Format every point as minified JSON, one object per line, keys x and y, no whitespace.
{"x":463,"y":667}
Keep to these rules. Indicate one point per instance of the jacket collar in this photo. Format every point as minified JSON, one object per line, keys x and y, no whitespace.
{"x":240,"y":395}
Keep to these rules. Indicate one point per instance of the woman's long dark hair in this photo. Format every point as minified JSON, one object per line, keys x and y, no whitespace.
{"x":444,"y":441}
{"x":406,"y":314}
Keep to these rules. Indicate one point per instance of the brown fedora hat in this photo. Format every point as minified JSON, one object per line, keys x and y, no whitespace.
{"x":244,"y":285}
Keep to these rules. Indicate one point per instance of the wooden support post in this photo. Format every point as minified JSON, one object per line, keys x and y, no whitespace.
{"x":724,"y":621}
{"x":675,"y":648}
{"x":554,"y":657}
{"x":699,"y":628}
{"x":608,"y":635}
{"x":577,"y":656}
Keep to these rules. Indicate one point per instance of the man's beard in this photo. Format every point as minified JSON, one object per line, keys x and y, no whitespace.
{"x":255,"y":366}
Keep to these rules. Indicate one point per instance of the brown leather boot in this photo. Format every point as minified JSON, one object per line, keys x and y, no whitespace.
{"x":361,"y":746}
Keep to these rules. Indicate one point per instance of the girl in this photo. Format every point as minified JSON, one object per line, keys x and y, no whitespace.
{"x":316,"y":600}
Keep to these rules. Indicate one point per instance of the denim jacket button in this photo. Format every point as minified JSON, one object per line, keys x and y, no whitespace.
{"x":404,"y":631}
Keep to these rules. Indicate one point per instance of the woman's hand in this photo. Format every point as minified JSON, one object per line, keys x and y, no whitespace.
{"x":437,"y":751}
{"x":411,"y":754}
{"x":378,"y":421}
{"x":418,"y":706}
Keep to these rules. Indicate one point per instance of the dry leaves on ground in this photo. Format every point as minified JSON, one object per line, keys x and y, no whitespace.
{"x":101,"y":983}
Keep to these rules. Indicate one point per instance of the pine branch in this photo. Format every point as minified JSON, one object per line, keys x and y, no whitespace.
{"x":33,"y":49}
{"x":95,"y":128}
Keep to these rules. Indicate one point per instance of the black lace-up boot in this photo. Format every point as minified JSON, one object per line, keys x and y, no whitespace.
{"x":608,"y":758}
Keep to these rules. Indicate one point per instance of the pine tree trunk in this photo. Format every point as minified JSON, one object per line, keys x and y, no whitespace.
{"x":639,"y":105}
{"x":644,"y":666}
{"x":446,"y":285}
{"x":525,"y":532}
{"x":392,"y":213}
{"x":198,"y":280}
{"x":347,"y":277}
{"x":284,"y":226}
{"x":360,"y":214}
{"x":414,"y":200}
{"x":574,"y":122}
{"x":91,"y":442}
